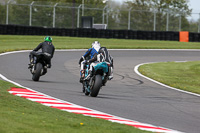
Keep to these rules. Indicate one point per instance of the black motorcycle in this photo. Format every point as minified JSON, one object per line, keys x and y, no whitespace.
{"x":39,"y":67}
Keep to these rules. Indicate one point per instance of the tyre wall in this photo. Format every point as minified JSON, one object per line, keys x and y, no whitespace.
{"x":95,"y":33}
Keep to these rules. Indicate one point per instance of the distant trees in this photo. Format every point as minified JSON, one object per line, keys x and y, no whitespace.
{"x":145,"y":11}
{"x":2,"y":13}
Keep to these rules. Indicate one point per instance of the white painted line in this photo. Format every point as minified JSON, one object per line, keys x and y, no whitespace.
{"x":82,"y":111}
{"x":134,"y":123}
{"x":21,"y":95}
{"x":58,"y":105}
{"x":41,"y":100}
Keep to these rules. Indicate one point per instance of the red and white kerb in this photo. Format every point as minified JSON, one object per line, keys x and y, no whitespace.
{"x":70,"y":107}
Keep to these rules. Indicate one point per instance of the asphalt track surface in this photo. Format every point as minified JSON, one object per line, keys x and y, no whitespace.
{"x":128,"y":95}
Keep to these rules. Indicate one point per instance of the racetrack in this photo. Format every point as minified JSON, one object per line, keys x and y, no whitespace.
{"x":127,"y":95}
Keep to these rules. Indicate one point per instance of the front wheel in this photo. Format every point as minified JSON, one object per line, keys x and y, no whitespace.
{"x":83,"y":88}
{"x":97,"y":86}
{"x":37,"y":74}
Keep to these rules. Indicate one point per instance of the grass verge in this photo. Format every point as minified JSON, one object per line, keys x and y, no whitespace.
{"x":181,"y":75}
{"x":15,"y":42}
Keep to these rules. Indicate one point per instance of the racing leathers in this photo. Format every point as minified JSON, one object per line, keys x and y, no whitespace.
{"x":102,"y":56}
{"x":47,"y":49}
{"x":88,"y":55}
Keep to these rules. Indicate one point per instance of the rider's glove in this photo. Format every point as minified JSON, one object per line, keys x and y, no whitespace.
{"x":87,"y":62}
{"x":48,"y":65}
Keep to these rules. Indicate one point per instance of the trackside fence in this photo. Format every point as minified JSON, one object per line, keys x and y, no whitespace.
{"x":96,"y":33}
{"x":68,"y":15}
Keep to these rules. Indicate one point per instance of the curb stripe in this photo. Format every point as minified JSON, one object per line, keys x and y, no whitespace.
{"x":58,"y":105}
{"x":81,"y":112}
{"x":142,"y":126}
{"x":28,"y":95}
{"x":55,"y":103}
{"x":42,"y":100}
{"x":33,"y":97}
{"x":114,"y":119}
{"x":94,"y":114}
{"x":69,"y":107}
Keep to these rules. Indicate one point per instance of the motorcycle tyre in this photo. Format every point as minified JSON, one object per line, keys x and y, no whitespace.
{"x":97,"y":86}
{"x":37,"y":74}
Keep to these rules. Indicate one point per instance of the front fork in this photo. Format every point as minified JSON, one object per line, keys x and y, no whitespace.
{"x":33,"y":69}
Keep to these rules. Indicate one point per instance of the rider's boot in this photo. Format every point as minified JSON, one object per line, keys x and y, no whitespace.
{"x":44,"y":70}
{"x":31,"y":63}
{"x":110,"y":73}
{"x":110,"y":77}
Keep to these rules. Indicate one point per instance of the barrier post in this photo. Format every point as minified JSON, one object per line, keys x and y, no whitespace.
{"x":183,"y":36}
{"x":54,"y":14}
{"x":30,"y":17}
{"x":129,"y":18}
{"x":7,"y":11}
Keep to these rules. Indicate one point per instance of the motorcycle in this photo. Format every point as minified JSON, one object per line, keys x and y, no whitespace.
{"x":99,"y":78}
{"x":39,"y":67}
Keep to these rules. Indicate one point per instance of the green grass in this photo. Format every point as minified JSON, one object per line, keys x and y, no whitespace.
{"x":181,"y":75}
{"x":10,"y":43}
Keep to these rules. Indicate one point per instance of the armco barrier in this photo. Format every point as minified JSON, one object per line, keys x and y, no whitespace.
{"x":95,"y":33}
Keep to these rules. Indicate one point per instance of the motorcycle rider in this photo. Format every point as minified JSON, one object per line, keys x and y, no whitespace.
{"x":88,"y":55}
{"x":102,"y":56}
{"x":47,"y":48}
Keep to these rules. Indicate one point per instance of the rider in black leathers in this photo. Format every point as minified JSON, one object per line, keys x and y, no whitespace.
{"x":102,"y":56}
{"x":47,"y":49}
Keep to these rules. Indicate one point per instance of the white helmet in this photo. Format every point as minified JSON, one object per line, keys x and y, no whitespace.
{"x":96,"y":43}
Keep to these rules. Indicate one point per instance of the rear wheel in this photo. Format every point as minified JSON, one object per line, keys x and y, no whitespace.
{"x":97,"y":86}
{"x":37,"y":74}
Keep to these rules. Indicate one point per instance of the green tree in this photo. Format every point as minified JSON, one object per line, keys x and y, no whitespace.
{"x":144,"y":13}
{"x":2,"y":12}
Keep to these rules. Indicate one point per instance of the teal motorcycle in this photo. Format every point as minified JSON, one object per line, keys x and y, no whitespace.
{"x":99,"y":78}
